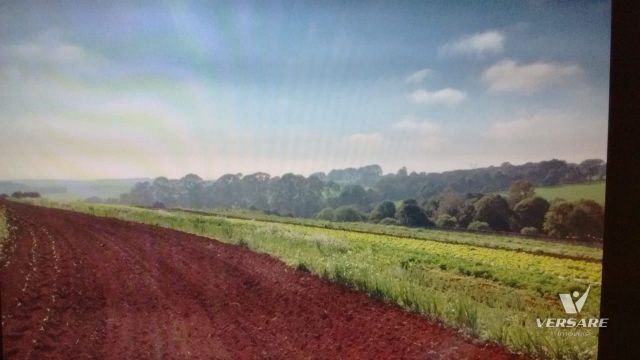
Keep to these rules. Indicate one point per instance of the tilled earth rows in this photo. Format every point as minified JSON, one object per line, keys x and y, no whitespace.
{"x":76,"y":286}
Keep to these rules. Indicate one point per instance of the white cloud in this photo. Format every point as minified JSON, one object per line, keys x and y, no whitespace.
{"x":75,"y":120}
{"x":48,"y":70}
{"x":49,"y":51}
{"x":54,"y":53}
{"x":416,"y":126}
{"x":569,"y":135}
{"x":413,"y":135}
{"x":538,"y":126}
{"x":58,"y":94}
{"x":368,"y":140}
{"x":508,"y":75}
{"x":480,"y":44}
{"x":515,"y":129}
{"x":418,"y":76}
{"x":445,"y":96}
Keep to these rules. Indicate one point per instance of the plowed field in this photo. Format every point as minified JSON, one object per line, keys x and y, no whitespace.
{"x":75,"y":286}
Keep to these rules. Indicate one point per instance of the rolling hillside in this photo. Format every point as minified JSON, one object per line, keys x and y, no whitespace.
{"x":594,"y":191}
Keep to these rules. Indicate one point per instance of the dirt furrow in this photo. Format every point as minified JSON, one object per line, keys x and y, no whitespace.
{"x":104,"y":288}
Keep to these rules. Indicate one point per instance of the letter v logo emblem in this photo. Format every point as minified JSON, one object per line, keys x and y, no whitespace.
{"x":571,"y":307}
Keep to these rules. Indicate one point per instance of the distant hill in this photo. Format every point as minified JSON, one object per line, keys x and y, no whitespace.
{"x":594,"y":191}
{"x":72,"y":189}
{"x":487,"y":179}
{"x":304,"y":196}
{"x":402,"y":184}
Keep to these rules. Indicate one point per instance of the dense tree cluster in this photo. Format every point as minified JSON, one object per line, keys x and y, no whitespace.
{"x":463,"y":199}
{"x":530,"y":216}
{"x":25,"y":194}
{"x":290,"y":194}
{"x":384,"y":209}
{"x":422,"y":186}
{"x":582,"y":219}
{"x":10,"y":187}
{"x":410,"y":214}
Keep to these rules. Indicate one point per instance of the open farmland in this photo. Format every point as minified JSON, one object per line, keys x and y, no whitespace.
{"x":502,"y":241}
{"x":594,"y":191}
{"x":93,"y":287}
{"x":492,"y":293}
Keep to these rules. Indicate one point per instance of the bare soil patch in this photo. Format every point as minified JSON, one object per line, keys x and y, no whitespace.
{"x":84,"y":287}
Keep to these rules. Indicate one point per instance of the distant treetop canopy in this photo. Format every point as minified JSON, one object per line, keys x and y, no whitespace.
{"x":458,"y":199}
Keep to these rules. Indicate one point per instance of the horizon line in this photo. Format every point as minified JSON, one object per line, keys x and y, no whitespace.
{"x":285,"y":173}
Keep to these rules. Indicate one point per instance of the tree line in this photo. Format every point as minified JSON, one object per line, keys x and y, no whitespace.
{"x":21,"y":194}
{"x":519,"y":211}
{"x":422,"y":186}
{"x":445,"y":200}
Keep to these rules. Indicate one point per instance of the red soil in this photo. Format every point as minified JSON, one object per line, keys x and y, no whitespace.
{"x":78,"y":286}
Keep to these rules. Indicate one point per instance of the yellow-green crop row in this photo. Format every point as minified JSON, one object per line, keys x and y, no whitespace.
{"x":505,"y":242}
{"x":5,"y":246}
{"x":564,"y":269}
{"x":4,"y":227}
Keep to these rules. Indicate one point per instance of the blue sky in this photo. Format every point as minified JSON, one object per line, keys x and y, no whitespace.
{"x":148,"y":89}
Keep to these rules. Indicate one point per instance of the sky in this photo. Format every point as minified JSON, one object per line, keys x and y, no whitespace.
{"x":166,"y":88}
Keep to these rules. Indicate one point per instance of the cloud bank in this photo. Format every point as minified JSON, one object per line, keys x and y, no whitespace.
{"x":509,"y":76}
{"x":480,"y":44}
{"x":418,"y":76}
{"x":446,"y":96}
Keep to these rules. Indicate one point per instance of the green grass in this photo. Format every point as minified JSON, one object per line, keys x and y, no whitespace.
{"x":64,"y":197}
{"x":516,"y":243}
{"x":4,"y":230}
{"x":487,"y":292}
{"x":4,"y":234}
{"x":594,"y":191}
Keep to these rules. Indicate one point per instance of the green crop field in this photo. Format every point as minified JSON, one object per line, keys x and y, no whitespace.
{"x":593,"y":191}
{"x":4,"y":231}
{"x":487,"y":286}
{"x":507,"y":242}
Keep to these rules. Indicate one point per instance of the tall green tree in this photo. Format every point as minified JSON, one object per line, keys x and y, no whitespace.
{"x":296,"y":195}
{"x":191,"y":191}
{"x":385,"y":209}
{"x":450,"y":203}
{"x":556,"y":220}
{"x":165,"y":191}
{"x":224,"y":192}
{"x":586,"y":219}
{"x":446,"y":221}
{"x":353,"y":195}
{"x":494,"y":210}
{"x":141,"y":194}
{"x":347,"y":214}
{"x":530,"y":212}
{"x":520,"y":190}
{"x":410,"y":214}
{"x":253,"y":191}
{"x":326,"y":214}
